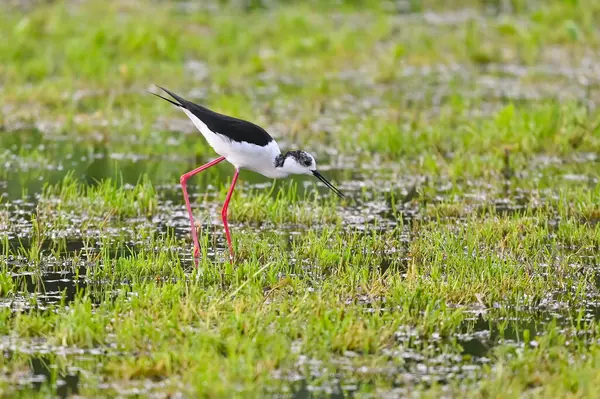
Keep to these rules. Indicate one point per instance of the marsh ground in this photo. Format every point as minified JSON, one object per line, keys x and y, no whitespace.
{"x":465,"y":261}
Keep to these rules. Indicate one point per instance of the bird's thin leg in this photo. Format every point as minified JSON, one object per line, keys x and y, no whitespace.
{"x":183,"y":181}
{"x":224,"y":212}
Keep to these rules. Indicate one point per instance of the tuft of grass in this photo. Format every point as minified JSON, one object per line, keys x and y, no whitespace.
{"x":285,"y":207}
{"x":106,"y":199}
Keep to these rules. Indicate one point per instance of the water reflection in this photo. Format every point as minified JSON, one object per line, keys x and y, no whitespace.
{"x":44,"y":372}
{"x":31,"y":160}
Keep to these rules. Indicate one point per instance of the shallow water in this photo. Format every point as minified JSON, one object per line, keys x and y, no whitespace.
{"x":58,"y":280}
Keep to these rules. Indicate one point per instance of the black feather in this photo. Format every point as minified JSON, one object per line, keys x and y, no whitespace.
{"x":166,"y":99}
{"x":233,"y":128}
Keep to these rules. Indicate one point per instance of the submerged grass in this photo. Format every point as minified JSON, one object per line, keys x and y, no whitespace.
{"x":464,"y":261}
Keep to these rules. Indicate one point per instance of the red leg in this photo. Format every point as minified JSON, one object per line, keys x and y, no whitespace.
{"x":183,"y":181}
{"x":224,"y":212}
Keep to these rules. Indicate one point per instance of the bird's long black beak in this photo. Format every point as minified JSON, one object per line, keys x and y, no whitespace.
{"x":324,"y":180}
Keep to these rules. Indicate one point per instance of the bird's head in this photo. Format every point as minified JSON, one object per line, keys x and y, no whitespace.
{"x":302,"y":163}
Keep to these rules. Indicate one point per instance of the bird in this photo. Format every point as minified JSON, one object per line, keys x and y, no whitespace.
{"x":245,"y":145}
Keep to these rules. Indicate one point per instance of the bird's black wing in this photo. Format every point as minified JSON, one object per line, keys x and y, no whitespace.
{"x":233,"y":128}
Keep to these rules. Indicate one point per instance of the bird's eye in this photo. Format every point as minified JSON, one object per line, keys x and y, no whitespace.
{"x":307,"y":162}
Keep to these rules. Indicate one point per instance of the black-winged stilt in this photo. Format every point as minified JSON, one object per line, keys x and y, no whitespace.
{"x":246,"y":146}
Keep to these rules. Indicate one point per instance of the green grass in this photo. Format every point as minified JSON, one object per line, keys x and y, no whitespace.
{"x":464,"y":261}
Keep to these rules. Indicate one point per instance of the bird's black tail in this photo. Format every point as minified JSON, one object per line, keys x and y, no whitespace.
{"x":179,"y":99}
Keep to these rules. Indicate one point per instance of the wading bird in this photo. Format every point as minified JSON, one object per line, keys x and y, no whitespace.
{"x":246,"y":146}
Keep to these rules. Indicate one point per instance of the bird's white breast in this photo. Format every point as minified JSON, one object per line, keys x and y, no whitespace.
{"x":253,"y":157}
